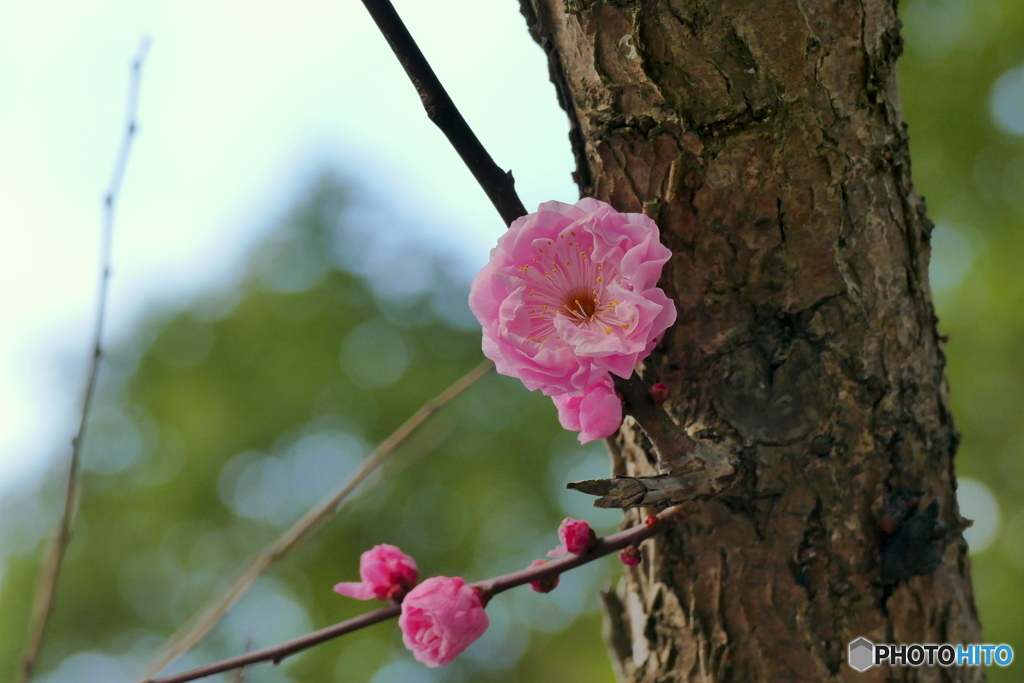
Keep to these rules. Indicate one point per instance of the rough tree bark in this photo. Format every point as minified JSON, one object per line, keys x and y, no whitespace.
{"x":766,"y":138}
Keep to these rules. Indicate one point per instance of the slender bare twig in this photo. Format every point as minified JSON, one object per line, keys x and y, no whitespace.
{"x":210,"y":616}
{"x":499,"y":185}
{"x":490,"y":587}
{"x":47,"y":591}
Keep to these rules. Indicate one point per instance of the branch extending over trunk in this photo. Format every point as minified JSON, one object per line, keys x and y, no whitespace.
{"x":499,"y":185}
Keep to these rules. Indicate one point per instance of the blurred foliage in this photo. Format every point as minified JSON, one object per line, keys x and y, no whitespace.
{"x":218,"y":425}
{"x":962,"y":81}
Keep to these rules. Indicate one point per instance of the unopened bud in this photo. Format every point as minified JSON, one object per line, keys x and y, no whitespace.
{"x":630,"y":556}
{"x":659,"y":393}
{"x":545,"y":585}
{"x":576,"y":535}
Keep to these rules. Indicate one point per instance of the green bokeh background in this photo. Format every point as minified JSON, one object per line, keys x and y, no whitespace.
{"x":220,"y":422}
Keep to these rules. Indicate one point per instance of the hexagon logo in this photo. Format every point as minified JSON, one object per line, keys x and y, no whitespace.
{"x":862,"y":654}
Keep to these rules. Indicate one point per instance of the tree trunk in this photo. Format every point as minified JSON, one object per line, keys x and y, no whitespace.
{"x":766,"y":139}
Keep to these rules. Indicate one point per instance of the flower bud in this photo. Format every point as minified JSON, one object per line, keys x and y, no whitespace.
{"x":545,"y":585}
{"x":576,"y":537}
{"x":630,"y":556}
{"x":386,"y":572}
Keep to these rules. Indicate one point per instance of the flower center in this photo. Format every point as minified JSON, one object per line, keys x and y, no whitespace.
{"x":580,"y":305}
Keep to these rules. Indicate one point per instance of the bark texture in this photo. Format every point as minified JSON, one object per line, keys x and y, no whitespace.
{"x":766,"y":138}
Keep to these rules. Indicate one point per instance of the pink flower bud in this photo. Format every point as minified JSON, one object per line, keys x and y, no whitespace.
{"x":595,"y":415}
{"x":576,"y":537}
{"x":440,"y":618}
{"x":544,"y":585}
{"x":659,"y":393}
{"x":386,"y":572}
{"x":630,"y":556}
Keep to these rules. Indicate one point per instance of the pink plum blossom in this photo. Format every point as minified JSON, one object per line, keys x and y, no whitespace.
{"x":386,"y":572}
{"x":576,"y":537}
{"x":440,"y":618}
{"x":570,"y":294}
{"x":595,"y":415}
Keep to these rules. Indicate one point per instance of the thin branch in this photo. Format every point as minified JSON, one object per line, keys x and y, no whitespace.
{"x":210,"y":616}
{"x":47,"y":591}
{"x":499,"y":185}
{"x":490,"y":587}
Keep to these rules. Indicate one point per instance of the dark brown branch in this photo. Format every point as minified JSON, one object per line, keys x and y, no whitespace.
{"x":490,"y":587}
{"x":499,"y":185}
{"x":47,"y":591}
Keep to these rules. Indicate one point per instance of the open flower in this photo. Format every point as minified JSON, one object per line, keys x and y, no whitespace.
{"x":386,"y":572}
{"x":570,"y":294}
{"x":440,"y":618}
{"x":595,"y":415}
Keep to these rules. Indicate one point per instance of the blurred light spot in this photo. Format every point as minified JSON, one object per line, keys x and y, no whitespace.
{"x":168,"y":457}
{"x":502,"y":644}
{"x":268,"y":615}
{"x":362,"y":652}
{"x":143,"y":581}
{"x":320,"y":462}
{"x":183,"y":344}
{"x":1013,"y":539}
{"x":1007,"y":101}
{"x":978,"y":504}
{"x":291,"y":265}
{"x":26,"y":520}
{"x":279,"y":488}
{"x":576,"y":594}
{"x":113,"y":442}
{"x":406,"y":671}
{"x":1013,"y":183}
{"x":87,"y":667}
{"x":933,"y":28}
{"x":952,"y":256}
{"x":452,"y":307}
{"x":374,"y":355}
{"x":572,"y":462}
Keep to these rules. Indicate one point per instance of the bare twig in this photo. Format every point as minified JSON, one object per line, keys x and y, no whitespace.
{"x":499,"y":185}
{"x":210,"y":616}
{"x":490,"y":587}
{"x":47,"y":591}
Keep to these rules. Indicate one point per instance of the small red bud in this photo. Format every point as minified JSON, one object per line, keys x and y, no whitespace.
{"x":544,"y":585}
{"x":659,"y":393}
{"x":630,"y":556}
{"x":651,"y":521}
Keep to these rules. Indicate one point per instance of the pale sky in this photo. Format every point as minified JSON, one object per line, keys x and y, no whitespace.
{"x":240,"y":101}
